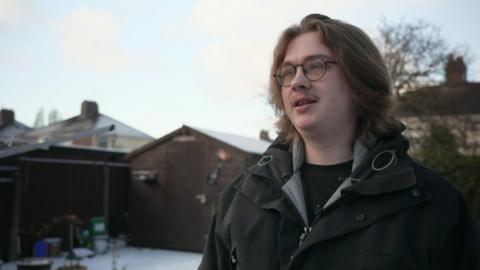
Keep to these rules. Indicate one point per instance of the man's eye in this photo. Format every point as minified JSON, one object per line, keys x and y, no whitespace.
{"x":287,"y":71}
{"x":315,"y":65}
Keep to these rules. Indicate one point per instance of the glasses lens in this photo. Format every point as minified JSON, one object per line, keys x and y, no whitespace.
{"x":285,"y":75}
{"x":314,"y":69}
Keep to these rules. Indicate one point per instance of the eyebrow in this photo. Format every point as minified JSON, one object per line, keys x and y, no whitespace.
{"x":323,"y":56}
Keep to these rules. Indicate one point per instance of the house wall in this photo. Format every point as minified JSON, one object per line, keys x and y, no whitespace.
{"x":175,"y":210}
{"x":111,"y":141}
{"x":466,"y":127}
{"x":129,"y":143}
{"x":87,"y":141}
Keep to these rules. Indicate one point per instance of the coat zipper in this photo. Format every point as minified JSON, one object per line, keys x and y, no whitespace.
{"x":303,"y":236}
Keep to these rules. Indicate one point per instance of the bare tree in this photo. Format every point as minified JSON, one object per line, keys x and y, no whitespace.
{"x":442,"y":132}
{"x":414,"y":52}
{"x":39,"y":119}
{"x":54,"y":117}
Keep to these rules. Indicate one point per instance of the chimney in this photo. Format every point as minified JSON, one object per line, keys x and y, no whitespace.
{"x":89,"y":109}
{"x":6,"y":117}
{"x":456,"y":71}
{"x":264,"y":136}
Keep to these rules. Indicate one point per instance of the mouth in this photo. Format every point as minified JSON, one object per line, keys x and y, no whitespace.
{"x":303,"y":101}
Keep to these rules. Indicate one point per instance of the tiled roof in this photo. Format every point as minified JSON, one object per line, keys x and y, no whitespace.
{"x":457,"y":99}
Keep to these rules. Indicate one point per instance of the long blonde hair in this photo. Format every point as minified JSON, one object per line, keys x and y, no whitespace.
{"x":362,"y":64}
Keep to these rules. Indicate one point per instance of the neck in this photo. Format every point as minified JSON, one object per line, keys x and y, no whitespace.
{"x":328,"y":150}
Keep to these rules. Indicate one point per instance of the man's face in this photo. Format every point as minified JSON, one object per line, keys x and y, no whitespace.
{"x":323,"y":106}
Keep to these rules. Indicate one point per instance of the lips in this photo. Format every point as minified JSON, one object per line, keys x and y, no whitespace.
{"x":303,"y":101}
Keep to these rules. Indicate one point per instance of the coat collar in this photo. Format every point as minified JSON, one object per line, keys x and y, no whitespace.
{"x":401,"y":177}
{"x":381,"y":166}
{"x":289,"y":158}
{"x":275,"y":164}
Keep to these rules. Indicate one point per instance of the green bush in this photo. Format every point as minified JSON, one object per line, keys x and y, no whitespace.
{"x":439,"y":151}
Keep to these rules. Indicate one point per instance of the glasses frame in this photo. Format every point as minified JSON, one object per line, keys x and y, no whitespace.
{"x":279,"y":78}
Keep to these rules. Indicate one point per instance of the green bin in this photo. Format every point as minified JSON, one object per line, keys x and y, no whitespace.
{"x":97,"y":226}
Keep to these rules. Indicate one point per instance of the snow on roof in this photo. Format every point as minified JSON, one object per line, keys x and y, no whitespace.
{"x":13,"y":129}
{"x":23,"y":146}
{"x":246,"y":144}
{"x":120,"y":128}
{"x":77,"y":124}
{"x":60,"y":129}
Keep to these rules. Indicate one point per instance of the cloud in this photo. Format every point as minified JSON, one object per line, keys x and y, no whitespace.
{"x":89,"y":39}
{"x":243,"y":33}
{"x":11,"y":11}
{"x":240,"y":37}
{"x":9,"y":60}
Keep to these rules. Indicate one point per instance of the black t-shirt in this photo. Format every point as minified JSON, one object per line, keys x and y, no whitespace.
{"x":320,"y":182}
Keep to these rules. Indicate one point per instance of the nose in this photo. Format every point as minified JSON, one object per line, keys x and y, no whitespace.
{"x":300,"y":81}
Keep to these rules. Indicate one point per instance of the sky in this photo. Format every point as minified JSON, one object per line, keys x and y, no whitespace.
{"x":156,"y":65}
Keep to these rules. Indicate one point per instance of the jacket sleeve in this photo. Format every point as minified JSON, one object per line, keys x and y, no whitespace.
{"x":215,"y":254}
{"x":461,"y":248}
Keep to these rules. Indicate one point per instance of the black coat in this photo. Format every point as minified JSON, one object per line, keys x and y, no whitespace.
{"x":401,"y":217}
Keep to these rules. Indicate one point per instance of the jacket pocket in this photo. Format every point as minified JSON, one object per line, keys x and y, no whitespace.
{"x":233,"y":258}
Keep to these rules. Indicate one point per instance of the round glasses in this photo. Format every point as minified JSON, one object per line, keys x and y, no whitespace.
{"x":314,"y":69}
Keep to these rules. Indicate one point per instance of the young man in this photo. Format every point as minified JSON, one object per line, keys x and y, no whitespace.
{"x":337,"y":189}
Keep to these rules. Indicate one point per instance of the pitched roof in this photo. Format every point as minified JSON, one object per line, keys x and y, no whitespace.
{"x":246,"y":144}
{"x":121,"y":128}
{"x":445,"y":99}
{"x":20,"y":147}
{"x":12,"y":129}
{"x":74,"y":125}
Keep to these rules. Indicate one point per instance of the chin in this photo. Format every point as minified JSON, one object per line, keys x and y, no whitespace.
{"x":306,"y":122}
{"x":305,"y":126}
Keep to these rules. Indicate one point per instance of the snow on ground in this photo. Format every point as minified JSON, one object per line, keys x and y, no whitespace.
{"x":132,"y":258}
